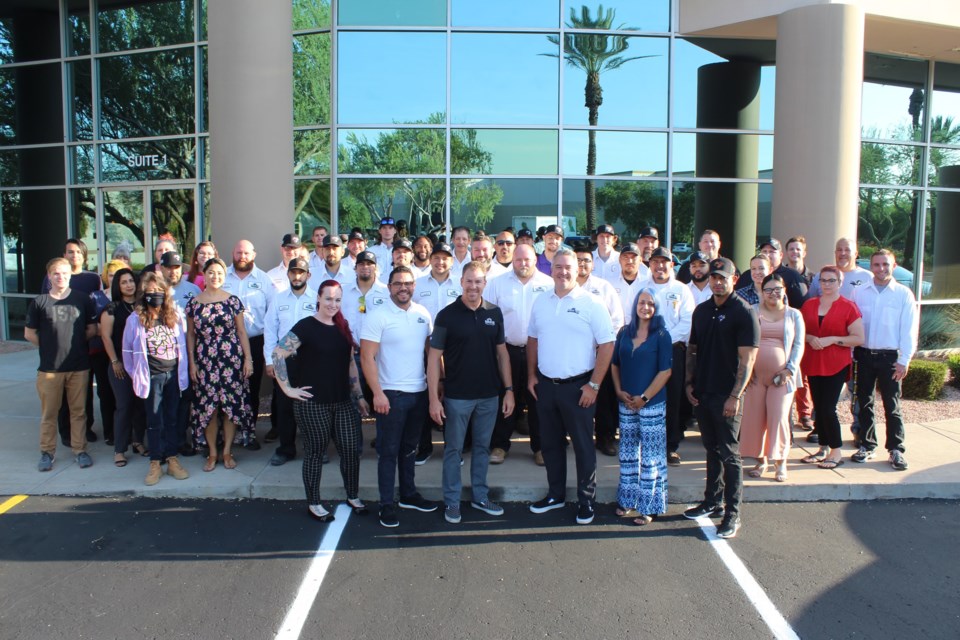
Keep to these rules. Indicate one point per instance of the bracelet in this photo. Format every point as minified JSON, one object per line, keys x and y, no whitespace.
{"x":115,"y":361}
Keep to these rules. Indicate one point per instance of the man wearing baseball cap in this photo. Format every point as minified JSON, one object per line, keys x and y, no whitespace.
{"x":171,"y":266}
{"x":724,"y":338}
{"x":606,"y":259}
{"x":699,"y":268}
{"x":648,"y":240}
{"x":384,"y":249}
{"x":290,"y":247}
{"x":552,"y":241}
{"x":333,"y":267}
{"x":633,"y":274}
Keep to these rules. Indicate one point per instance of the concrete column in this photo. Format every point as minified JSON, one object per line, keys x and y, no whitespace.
{"x":946,"y":230}
{"x":816,"y":153}
{"x":251,"y":124}
{"x":728,"y":97}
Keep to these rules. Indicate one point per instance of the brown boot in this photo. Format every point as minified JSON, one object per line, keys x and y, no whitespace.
{"x":153,"y":475}
{"x":175,"y":469}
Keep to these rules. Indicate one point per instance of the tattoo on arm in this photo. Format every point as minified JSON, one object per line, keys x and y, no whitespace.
{"x":284,"y":349}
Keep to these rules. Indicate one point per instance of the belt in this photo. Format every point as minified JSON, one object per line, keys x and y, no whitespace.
{"x":577,"y":378}
{"x":876,"y":352}
{"x":521,"y":347}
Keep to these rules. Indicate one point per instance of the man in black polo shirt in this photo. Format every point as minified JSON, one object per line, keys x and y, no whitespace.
{"x":468,"y":345}
{"x":724,"y":338}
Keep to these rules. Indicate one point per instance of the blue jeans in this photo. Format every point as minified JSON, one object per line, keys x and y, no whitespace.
{"x":161,"y":407}
{"x":459,"y":412}
{"x":398,"y":434}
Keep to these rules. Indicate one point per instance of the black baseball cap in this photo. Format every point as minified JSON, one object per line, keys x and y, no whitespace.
{"x":332,"y":241}
{"x":524,"y":233}
{"x":442,"y":247}
{"x":299,"y":263}
{"x":773,"y":242}
{"x":698,"y":255}
{"x":355,"y":235}
{"x":630,"y":247}
{"x":722,"y":267}
{"x":291,"y":240}
{"x":171,"y":259}
{"x":649,"y":232}
{"x":662,"y":252}
{"x":366,"y":256}
{"x":606,"y":228}
{"x":553,"y":228}
{"x":403,"y":243}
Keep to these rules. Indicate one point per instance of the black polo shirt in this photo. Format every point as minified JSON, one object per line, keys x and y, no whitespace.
{"x":718,"y":332}
{"x":469,"y":342}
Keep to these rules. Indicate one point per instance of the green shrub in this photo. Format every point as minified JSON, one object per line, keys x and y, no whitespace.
{"x":924,"y":380}
{"x":953,"y":362}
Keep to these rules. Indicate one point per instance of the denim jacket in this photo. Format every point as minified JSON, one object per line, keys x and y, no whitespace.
{"x":794,"y":340}
{"x":135,"y":355}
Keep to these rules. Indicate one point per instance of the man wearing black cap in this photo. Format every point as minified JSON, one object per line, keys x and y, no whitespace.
{"x":356,"y":242}
{"x":384,"y":249}
{"x":606,"y":259}
{"x":709,"y":245}
{"x":290,"y":247}
{"x":171,"y":265}
{"x":698,"y":265}
{"x":552,"y":241}
{"x":402,"y":255}
{"x":633,"y":274}
{"x":648,"y":240}
{"x":333,"y":267}
{"x":796,"y":286}
{"x":724,"y":338}
{"x":525,"y":236}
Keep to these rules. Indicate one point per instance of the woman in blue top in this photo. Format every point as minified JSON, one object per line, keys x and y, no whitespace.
{"x":641,"y":366}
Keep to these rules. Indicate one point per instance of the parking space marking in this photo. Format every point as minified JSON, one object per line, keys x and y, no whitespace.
{"x":758,"y":597}
{"x":11,"y":503}
{"x":293,"y":623}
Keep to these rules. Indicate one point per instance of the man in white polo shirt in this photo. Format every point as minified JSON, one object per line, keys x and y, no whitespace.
{"x":290,"y":246}
{"x":633,"y":274}
{"x":699,"y":269}
{"x":384,"y":249}
{"x":393,"y":343}
{"x":333,"y":266}
{"x":606,"y":259}
{"x":568,"y":353}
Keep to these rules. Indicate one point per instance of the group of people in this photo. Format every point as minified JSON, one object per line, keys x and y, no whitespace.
{"x":481,"y":339}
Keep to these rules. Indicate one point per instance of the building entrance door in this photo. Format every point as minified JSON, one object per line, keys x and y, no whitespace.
{"x":138,"y":217}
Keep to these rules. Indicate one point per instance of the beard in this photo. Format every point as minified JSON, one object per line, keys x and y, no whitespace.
{"x":242,"y":266}
{"x":298,"y":286}
{"x":699,"y":277}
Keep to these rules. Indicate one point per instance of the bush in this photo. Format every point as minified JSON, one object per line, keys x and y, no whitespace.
{"x":953,"y":362}
{"x":924,"y":380}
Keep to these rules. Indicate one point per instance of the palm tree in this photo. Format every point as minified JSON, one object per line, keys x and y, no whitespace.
{"x":593,"y":53}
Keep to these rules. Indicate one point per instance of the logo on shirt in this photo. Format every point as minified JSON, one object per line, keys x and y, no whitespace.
{"x":377,"y":301}
{"x":539,"y":288}
{"x":255,"y":285}
{"x":188,"y":295}
{"x":283,"y":307}
{"x":573,"y":310}
{"x":309,"y":306}
{"x":721,"y":317}
{"x":426,"y":294}
{"x":452,"y":293}
{"x":489,"y":322}
{"x":421,"y":321}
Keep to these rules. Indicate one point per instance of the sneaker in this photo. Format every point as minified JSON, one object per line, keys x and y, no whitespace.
{"x":812,"y":437}
{"x":673,"y":459}
{"x":279,"y":459}
{"x":547,"y":504}
{"x":153,"y":473}
{"x":271,"y":436}
{"x":417,"y":503}
{"x":253,"y":445}
{"x":864,"y":454}
{"x":585,"y":513}
{"x":388,"y":516}
{"x":317,"y":512}
{"x":538,"y":459}
{"x":897,"y":461}
{"x":497,"y":455}
{"x":729,"y":526}
{"x":422,"y":458}
{"x":175,"y":469}
{"x":84,"y":460}
{"x":46,"y":462}
{"x":451,"y":513}
{"x":703,"y":509}
{"x":488,"y":507}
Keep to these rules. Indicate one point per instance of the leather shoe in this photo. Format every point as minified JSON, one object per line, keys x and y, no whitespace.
{"x":607,"y":447}
{"x":279,"y":459}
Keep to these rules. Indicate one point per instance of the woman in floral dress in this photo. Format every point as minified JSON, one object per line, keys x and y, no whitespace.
{"x":221,"y":364}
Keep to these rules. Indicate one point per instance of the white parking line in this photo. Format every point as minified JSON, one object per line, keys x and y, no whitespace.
{"x":293,"y":624}
{"x":758,"y":598}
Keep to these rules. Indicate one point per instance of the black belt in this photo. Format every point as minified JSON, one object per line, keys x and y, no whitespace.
{"x":520,"y":347}
{"x":575,"y":379}
{"x":876,"y":352}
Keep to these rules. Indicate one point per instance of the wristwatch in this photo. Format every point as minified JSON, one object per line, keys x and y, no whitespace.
{"x":645,"y":399}
{"x":593,"y":385}
{"x":508,"y":388}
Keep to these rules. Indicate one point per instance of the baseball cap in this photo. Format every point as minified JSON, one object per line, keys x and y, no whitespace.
{"x":662,"y":252}
{"x":630,"y":247}
{"x":291,"y":240}
{"x":722,"y":267}
{"x":386,"y":221}
{"x":606,"y":228}
{"x":773,"y":242}
{"x":298,"y":263}
{"x":332,"y":241}
{"x":553,"y":229}
{"x":355,"y":235}
{"x":403,"y":243}
{"x":442,"y":247}
{"x":366,"y":256}
{"x":698,"y":255}
{"x":649,"y":232}
{"x":524,"y":233}
{"x":171,"y":259}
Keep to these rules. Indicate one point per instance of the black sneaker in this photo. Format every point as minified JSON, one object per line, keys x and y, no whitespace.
{"x":388,"y":516}
{"x":187,"y":451}
{"x":812,"y":437}
{"x":703,"y":509}
{"x":417,"y":503}
{"x":673,"y":459}
{"x":863,"y":454}
{"x":422,"y":458}
{"x":897,"y":461}
{"x":729,"y":526}
{"x":547,"y":504}
{"x":91,"y":436}
{"x":585,"y":513}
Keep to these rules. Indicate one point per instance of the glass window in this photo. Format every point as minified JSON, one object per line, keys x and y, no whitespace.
{"x":141,"y":25}
{"x":205,"y":157}
{"x":503,"y":151}
{"x":939,"y":327}
{"x":34,"y":167}
{"x":80,"y":103}
{"x":897,"y":164}
{"x":311,"y":79}
{"x":391,"y":78}
{"x":941,"y":259}
{"x":942,"y":158}
{"x":887,"y":220}
{"x":416,"y":202}
{"x":84,"y":224}
{"x":493,"y":204}
{"x":505,"y":13}
{"x":78,"y":27}
{"x":172,"y":211}
{"x":16,"y":309}
{"x":727,"y":155}
{"x":628,"y":205}
{"x":81,"y":164}
{"x":650,"y":15}
{"x":312,"y":205}
{"x":621,"y":153}
{"x":34,"y":225}
{"x":29,"y":31}
{"x":893,"y":98}
{"x":682,"y":215}
{"x":205,"y":214}
{"x":311,"y":152}
{"x":203,"y":20}
{"x":688,"y":58}
{"x":147,"y":94}
{"x":205,"y":98}
{"x":399,"y":13}
{"x":153,"y":160}
{"x":8,"y":106}
{"x":123,"y":224}
{"x":503,"y":78}
{"x":631,"y":87}
{"x":391,"y":151}
{"x":723,"y":200}
{"x":311,"y":14}
{"x":31,"y":103}
{"x":768,"y":92}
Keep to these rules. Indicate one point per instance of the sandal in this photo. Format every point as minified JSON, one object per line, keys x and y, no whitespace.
{"x":643,"y":520}
{"x":359,"y":509}
{"x":758,"y":470}
{"x":831,"y":464}
{"x":814,"y":458}
{"x":627,"y":513}
{"x":228,"y":461}
{"x":211,"y":463}
{"x":781,"y":471}
{"x":119,"y":460}
{"x":139,"y":449}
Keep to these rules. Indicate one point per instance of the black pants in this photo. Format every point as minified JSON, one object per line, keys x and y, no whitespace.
{"x":875,"y":369}
{"x":504,"y":428}
{"x":825,"y":394}
{"x":184,"y":428}
{"x":607,"y":411}
{"x":286,"y":425}
{"x":721,"y":440}
{"x":318,"y":423}
{"x":130,"y":418}
{"x":675,"y":397}
{"x":99,"y":363}
{"x":256,"y":346}
{"x":560,"y":413}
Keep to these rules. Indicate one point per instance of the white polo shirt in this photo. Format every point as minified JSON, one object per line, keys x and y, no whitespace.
{"x":350,"y":305}
{"x":434,"y":295}
{"x":628,"y":292}
{"x":384,"y":258}
{"x":278,"y":275}
{"x":256,"y":292}
{"x":568,"y":331}
{"x":456,"y":269}
{"x":344,"y":275}
{"x":890,"y":318}
{"x":496,"y":270}
{"x":676,"y":306}
{"x":515,"y":300}
{"x":316,"y":262}
{"x":402,"y":336}
{"x":286,"y":310}
{"x":608,"y":269}
{"x":699,"y":295}
{"x":608,"y":296}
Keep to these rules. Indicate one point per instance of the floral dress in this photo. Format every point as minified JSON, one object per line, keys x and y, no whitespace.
{"x":219,"y":358}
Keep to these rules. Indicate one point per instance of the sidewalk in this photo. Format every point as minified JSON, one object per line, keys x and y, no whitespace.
{"x":933,"y":450}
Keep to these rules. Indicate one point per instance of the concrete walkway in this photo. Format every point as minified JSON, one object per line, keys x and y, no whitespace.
{"x":933,"y":451}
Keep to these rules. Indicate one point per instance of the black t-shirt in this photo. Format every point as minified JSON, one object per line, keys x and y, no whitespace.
{"x":61,"y":326}
{"x":469,"y":342}
{"x":322,"y":362}
{"x":718,"y":332}
{"x":120,"y":312}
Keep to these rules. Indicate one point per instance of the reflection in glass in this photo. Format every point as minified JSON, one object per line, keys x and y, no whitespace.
{"x":391,"y":77}
{"x":392,"y":151}
{"x":888,"y":219}
{"x":729,"y":160}
{"x":628,"y":205}
{"x":80,"y":104}
{"x":203,"y":20}
{"x":312,"y":205}
{"x":123,"y":224}
{"x":205,"y":98}
{"x":205,"y":213}
{"x":941,"y":260}
{"x":682,"y":214}
{"x":621,"y":153}
{"x":34,"y":167}
{"x":141,"y":25}
{"x":204,"y":157}
{"x":504,"y":151}
{"x":81,"y":163}
{"x":505,"y":13}
{"x":14,"y":258}
{"x":8,"y":107}
{"x":503,"y":78}
{"x":895,"y":164}
{"x":311,"y":79}
{"x":724,"y":202}
{"x":78,"y":27}
{"x":688,"y":58}
{"x":83,"y":213}
{"x":493,"y":204}
{"x":650,"y":15}
{"x":939,"y":327}
{"x":31,"y":103}
{"x":152,"y":160}
{"x":400,"y":13}
{"x":417,"y":202}
{"x":34,"y":226}
{"x":311,"y":152}
{"x":29,"y":31}
{"x":893,"y":98}
{"x":147,"y":94}
{"x":945,"y":104}
{"x":311,"y":14}
{"x":16,"y":310}
{"x":172,"y":212}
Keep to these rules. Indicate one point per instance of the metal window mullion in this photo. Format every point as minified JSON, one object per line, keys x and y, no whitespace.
{"x":560,"y":114}
{"x":448,"y":132}
{"x":334,"y":119}
{"x":921,"y":222}
{"x":671,"y":48}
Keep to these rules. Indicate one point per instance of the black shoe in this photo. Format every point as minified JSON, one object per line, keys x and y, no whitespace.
{"x":703,"y":509}
{"x":673,"y":459}
{"x":585,"y":513}
{"x":417,"y":503}
{"x":729,"y":526}
{"x":324,"y":459}
{"x":388,"y":516}
{"x":279,"y":459}
{"x":547,"y":504}
{"x":607,"y":447}
{"x":271,"y":436}
{"x":253,"y":445}
{"x":65,"y":441}
{"x":108,"y":442}
{"x":422,"y":458}
{"x":813,"y":438}
{"x":91,"y":436}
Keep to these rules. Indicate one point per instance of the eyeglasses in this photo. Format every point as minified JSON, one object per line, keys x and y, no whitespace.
{"x":777,"y":291}
{"x":828,"y":281}
{"x":402,"y":285}
{"x":508,"y":243}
